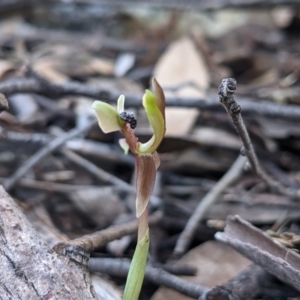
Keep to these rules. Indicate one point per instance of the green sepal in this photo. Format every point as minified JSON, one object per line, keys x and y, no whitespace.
{"x":108,"y":117}
{"x":137,"y":269}
{"x":156,"y":121}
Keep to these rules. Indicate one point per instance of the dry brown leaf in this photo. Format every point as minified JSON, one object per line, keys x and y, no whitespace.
{"x":179,"y":121}
{"x":101,"y":66}
{"x":6,"y":66}
{"x":215,"y":263}
{"x":101,"y":204}
{"x":182,"y":63}
{"x":46,"y":69}
{"x":216,"y":137}
{"x":8,"y":118}
{"x":59,"y":62}
{"x":118,"y":85}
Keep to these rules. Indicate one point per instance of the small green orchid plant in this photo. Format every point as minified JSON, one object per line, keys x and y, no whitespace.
{"x":147,"y":162}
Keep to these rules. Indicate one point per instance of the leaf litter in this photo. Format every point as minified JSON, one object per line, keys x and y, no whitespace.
{"x":189,"y":52}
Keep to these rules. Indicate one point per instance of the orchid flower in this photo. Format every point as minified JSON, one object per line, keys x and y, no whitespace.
{"x":147,"y":161}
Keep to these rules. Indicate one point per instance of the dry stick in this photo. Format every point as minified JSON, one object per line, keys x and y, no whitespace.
{"x":244,"y":286}
{"x":226,"y":93}
{"x":119,"y":267}
{"x":34,"y":85}
{"x":91,"y":242}
{"x":86,"y":147}
{"x":43,"y":152}
{"x":50,"y":186}
{"x":210,"y":198}
{"x":179,"y":270}
{"x":38,"y":138}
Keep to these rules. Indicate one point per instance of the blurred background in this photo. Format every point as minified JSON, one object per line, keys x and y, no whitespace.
{"x":57,"y":57}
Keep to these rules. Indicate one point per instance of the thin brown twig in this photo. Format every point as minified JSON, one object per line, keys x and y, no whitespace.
{"x":43,"y":152}
{"x":91,"y":242}
{"x":212,"y":196}
{"x":120,"y":267}
{"x":50,"y":186}
{"x":226,"y":94}
{"x":177,"y":269}
{"x":34,"y":85}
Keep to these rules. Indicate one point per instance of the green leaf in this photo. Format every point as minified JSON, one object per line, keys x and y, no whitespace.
{"x":107,"y":116}
{"x":145,"y":180}
{"x":137,"y":269}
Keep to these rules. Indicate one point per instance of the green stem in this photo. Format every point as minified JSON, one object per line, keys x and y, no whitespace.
{"x":137,"y":269}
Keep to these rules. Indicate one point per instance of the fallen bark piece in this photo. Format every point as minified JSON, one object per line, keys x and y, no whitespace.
{"x":32,"y":270}
{"x":256,"y":245}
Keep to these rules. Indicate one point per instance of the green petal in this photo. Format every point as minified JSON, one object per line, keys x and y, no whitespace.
{"x":145,"y":180}
{"x":137,"y":269}
{"x":121,"y":102}
{"x":156,"y":121}
{"x":107,"y":116}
